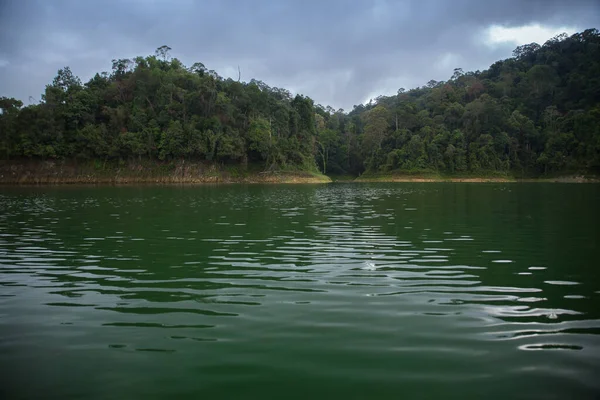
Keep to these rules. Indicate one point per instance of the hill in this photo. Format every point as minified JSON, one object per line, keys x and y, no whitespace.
{"x":537,"y":113}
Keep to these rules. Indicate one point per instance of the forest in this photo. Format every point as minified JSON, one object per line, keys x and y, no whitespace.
{"x":534,"y":114}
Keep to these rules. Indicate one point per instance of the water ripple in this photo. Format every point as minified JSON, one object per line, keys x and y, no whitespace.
{"x":360,"y":277}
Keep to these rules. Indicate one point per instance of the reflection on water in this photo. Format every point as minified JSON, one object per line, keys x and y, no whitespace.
{"x":467,"y":289}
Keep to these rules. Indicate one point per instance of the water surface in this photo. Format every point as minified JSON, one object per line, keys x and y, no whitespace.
{"x":294,"y":291}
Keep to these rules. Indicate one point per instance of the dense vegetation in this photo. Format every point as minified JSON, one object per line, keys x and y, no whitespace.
{"x":535,"y":113}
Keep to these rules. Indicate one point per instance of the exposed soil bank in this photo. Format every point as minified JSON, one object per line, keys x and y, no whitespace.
{"x":68,"y":172}
{"x":35,"y":172}
{"x":501,"y":179}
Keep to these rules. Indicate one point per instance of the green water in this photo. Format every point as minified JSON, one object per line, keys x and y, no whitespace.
{"x":301,"y":291}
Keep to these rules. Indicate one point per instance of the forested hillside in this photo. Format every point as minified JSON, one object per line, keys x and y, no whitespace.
{"x":533,"y":114}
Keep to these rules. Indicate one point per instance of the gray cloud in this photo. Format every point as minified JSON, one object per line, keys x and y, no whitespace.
{"x":337,"y":52}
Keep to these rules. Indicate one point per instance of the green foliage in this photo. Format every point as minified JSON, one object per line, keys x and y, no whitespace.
{"x":536,"y":113}
{"x":260,"y":137}
{"x":155,"y":108}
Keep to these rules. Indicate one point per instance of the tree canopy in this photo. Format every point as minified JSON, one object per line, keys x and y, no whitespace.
{"x":535,"y":113}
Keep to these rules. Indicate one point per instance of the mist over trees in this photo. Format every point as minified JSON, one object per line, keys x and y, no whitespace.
{"x":535,"y":113}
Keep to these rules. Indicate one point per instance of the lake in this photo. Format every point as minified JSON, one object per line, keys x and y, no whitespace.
{"x":406,"y":290}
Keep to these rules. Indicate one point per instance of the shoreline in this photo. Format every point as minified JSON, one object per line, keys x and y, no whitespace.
{"x":479,"y":179}
{"x":283,"y":178}
{"x":36,"y":172}
{"x":180,"y":172}
{"x":135,"y":181}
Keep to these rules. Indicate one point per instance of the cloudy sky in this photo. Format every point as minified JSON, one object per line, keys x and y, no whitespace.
{"x":339,"y":52}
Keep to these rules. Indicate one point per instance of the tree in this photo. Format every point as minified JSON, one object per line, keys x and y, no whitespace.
{"x":327,"y":139}
{"x":163,"y":52}
{"x":172,"y":143}
{"x":9,"y":112}
{"x":376,"y":126}
{"x":526,"y":51}
{"x":260,"y":138}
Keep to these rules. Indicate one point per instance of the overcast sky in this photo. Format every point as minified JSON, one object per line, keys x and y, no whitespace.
{"x":339,"y":52}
